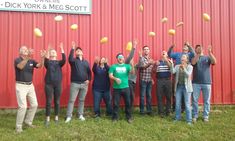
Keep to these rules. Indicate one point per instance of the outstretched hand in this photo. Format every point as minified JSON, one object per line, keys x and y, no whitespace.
{"x":97,"y":59}
{"x":209,"y":48}
{"x":43,"y":53}
{"x":187,"y":43}
{"x":73,"y":45}
{"x":135,"y":42}
{"x":170,"y":60}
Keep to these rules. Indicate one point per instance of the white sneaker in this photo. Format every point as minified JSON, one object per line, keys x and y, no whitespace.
{"x":206,"y":120}
{"x":194,"y":120}
{"x":81,"y":118}
{"x":68,"y":119}
{"x":19,"y":130}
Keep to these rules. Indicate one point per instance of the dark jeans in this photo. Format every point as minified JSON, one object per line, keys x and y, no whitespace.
{"x":53,"y":90}
{"x":98,"y":96}
{"x":164,"y":88}
{"x":125,"y":93}
{"x":145,"y":89}
{"x":132,"y":93}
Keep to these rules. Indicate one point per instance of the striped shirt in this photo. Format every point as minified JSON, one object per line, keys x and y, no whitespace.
{"x":145,"y":73}
{"x":163,"y":70}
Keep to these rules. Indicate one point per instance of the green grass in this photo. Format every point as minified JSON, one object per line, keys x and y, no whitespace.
{"x":144,"y":128}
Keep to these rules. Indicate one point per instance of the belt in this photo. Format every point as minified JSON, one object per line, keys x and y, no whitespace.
{"x":25,"y":83}
{"x":167,"y":78}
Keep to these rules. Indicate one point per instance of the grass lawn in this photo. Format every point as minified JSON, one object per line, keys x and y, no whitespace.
{"x":144,"y":128}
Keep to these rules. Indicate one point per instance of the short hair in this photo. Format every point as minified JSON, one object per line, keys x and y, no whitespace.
{"x":145,"y":46}
{"x":119,"y":54}
{"x":197,"y":46}
{"x":186,"y":44}
{"x":186,"y":56}
{"x":78,"y":48}
{"x":20,"y":49}
{"x":52,"y":49}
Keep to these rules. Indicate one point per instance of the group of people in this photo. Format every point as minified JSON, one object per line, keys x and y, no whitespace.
{"x":124,"y":74}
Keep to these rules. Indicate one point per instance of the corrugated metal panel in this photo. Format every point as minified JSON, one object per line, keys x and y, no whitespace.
{"x":121,"y":21}
{"x":232,"y":49}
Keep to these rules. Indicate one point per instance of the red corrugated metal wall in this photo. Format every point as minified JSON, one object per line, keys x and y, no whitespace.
{"x":121,"y":21}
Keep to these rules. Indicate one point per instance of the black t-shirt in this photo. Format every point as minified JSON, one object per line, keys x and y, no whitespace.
{"x":26,"y":74}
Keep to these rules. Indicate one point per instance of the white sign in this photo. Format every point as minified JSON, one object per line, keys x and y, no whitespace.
{"x":51,"y":6}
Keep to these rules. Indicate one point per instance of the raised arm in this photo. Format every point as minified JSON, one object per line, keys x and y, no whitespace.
{"x":131,"y":55}
{"x":41,"y":63}
{"x":191,"y":51}
{"x":170,"y":52}
{"x":195,"y":59}
{"x":211,"y":55}
{"x":106,"y":64}
{"x":71,"y":54}
{"x":96,"y":62}
{"x":63,"y":60}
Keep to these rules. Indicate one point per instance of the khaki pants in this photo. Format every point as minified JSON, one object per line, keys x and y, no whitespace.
{"x":24,"y":92}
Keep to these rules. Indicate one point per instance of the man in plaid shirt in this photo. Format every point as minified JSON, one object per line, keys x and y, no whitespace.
{"x":145,"y":66}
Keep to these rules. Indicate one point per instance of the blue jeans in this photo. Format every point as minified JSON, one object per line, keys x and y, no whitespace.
{"x":145,"y":89}
{"x":181,"y":91}
{"x":206,"y":92}
{"x":98,"y":96}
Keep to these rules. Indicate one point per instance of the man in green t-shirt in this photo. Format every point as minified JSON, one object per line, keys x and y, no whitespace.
{"x":119,"y":73}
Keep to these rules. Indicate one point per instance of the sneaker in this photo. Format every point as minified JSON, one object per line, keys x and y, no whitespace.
{"x":81,"y":118}
{"x":96,"y":116}
{"x":19,"y":130}
{"x":206,"y":120}
{"x":194,"y":120}
{"x":161,"y":115}
{"x":114,"y":120}
{"x":167,"y":114}
{"x":68,"y":119}
{"x":189,"y":123}
{"x":175,"y":120}
{"x":130,"y":120}
{"x":150,"y":113}
{"x":108,"y":114}
{"x":30,"y":125}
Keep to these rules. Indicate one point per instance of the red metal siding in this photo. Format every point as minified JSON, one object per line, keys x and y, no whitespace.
{"x":121,"y":21}
{"x":232,"y":49}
